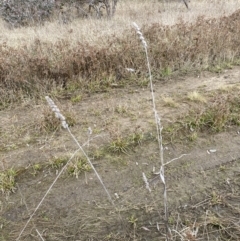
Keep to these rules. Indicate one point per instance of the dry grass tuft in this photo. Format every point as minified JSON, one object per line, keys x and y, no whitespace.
{"x":197,"y":97}
{"x":169,"y":101}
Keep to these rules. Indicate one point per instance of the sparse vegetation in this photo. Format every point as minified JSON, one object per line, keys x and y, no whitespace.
{"x":96,"y":72}
{"x":49,"y":65}
{"x":213,"y":115}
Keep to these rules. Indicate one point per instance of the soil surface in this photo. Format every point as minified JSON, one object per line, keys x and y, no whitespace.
{"x":202,"y":176}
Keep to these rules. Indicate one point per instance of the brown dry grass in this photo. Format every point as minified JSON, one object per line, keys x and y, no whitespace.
{"x":142,"y":12}
{"x":92,"y":55}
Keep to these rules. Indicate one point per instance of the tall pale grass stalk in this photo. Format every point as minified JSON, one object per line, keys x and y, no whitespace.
{"x":175,"y":159}
{"x":39,"y":235}
{"x":159,"y":129}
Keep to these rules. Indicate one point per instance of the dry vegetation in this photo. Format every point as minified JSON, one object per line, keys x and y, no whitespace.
{"x":94,"y":55}
{"x":72,"y":63}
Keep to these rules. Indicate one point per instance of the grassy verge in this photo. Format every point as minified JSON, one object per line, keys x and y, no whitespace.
{"x":60,"y":67}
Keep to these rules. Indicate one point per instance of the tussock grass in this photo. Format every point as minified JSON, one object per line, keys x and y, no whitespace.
{"x":196,"y":96}
{"x":169,"y":101}
{"x":125,"y":144}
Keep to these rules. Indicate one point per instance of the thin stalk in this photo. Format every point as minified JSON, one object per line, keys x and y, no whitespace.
{"x":159,"y":131}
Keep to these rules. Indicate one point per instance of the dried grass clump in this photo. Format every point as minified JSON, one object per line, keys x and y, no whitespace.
{"x":40,"y":67}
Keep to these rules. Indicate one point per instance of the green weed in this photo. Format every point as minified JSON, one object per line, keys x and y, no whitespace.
{"x":119,"y":145}
{"x":36,"y":168}
{"x":78,"y":166}
{"x":166,"y":72}
{"x":121,"y":109}
{"x":70,"y":119}
{"x":58,"y":162}
{"x":7,"y":181}
{"x":76,"y":99}
{"x":125,"y":144}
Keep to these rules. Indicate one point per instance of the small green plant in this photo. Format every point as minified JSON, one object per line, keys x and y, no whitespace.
{"x":120,"y":145}
{"x":78,"y":166}
{"x":222,"y":168}
{"x":76,"y":99}
{"x":98,"y":153}
{"x":7,"y":181}
{"x":172,"y":131}
{"x":166,"y":72}
{"x":58,"y":162}
{"x":125,"y":144}
{"x":36,"y":168}
{"x":144,"y":82}
{"x":215,"y":68}
{"x":171,"y":220}
{"x":193,"y":136}
{"x":133,"y":220}
{"x":136,"y":138}
{"x":213,"y":119}
{"x":215,"y":199}
{"x":73,"y":86}
{"x":70,"y":119}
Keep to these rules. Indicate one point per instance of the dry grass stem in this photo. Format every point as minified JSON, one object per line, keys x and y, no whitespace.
{"x":159,"y":130}
{"x":146,"y":182}
{"x":39,"y":235}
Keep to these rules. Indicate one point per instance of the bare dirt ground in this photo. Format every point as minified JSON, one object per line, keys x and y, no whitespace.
{"x":203,"y":185}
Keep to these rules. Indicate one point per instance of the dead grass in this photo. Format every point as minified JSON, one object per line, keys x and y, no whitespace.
{"x":196,"y":96}
{"x":169,"y":101}
{"x":94,"y":57}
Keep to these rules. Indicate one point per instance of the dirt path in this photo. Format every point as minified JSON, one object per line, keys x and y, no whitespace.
{"x":78,"y":209}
